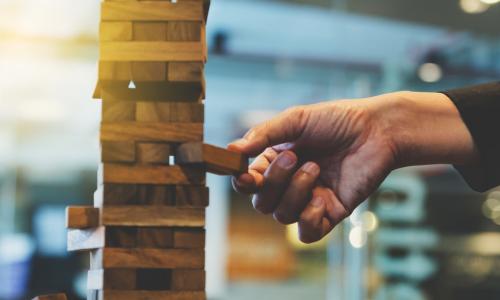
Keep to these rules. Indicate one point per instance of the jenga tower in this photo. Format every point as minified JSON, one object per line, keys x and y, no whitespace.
{"x":145,"y":232}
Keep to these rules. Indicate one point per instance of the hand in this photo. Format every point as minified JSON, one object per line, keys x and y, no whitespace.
{"x":315,"y":164}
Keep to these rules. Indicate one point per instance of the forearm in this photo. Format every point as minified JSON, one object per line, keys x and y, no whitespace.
{"x":426,"y":129}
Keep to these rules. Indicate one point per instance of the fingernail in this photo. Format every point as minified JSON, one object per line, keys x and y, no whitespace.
{"x":286,"y":161}
{"x":240,"y":142}
{"x":311,"y":168}
{"x":317,"y":201}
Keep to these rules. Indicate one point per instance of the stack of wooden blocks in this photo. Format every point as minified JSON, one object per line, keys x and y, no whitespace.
{"x":145,"y":232}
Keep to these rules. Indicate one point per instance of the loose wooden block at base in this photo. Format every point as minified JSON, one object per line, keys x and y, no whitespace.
{"x":154,"y":153}
{"x":151,"y":11}
{"x":150,"y":295}
{"x":217,"y":160}
{"x":188,"y":280}
{"x":170,"y":112}
{"x":82,"y":217}
{"x":189,"y":238}
{"x":153,"y":215}
{"x":152,"y":174}
{"x":118,"y":152}
{"x":51,"y":297}
{"x":151,"y":131}
{"x":146,"y":258}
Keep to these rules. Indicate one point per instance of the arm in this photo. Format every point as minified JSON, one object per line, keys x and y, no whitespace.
{"x":315,"y":164}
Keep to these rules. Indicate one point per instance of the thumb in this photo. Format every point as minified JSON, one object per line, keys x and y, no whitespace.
{"x":284,"y":128}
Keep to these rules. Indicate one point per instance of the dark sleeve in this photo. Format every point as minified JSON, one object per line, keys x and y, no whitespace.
{"x":479,"y":107}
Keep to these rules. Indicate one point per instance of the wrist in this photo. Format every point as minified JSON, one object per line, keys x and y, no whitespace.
{"x":426,"y":128}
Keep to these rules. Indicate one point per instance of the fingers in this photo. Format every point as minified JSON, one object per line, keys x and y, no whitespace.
{"x":286,"y":127}
{"x":298,"y":194}
{"x":275,"y":181}
{"x":313,"y":223}
{"x":249,"y":183}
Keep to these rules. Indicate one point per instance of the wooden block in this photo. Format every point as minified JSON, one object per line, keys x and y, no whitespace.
{"x":115,"y":70}
{"x":153,"y":216}
{"x":188,"y":280}
{"x":170,"y":112}
{"x":112,"y":279}
{"x":134,"y":194}
{"x":185,"y":71}
{"x":151,"y":11}
{"x":154,"y":153}
{"x":178,"y":31}
{"x":149,"y":71}
{"x":152,"y":174}
{"x":150,"y":295}
{"x":51,"y":297}
{"x":118,"y":152}
{"x":115,"y":31}
{"x":86,"y":239}
{"x":151,"y":131}
{"x":155,"y":237}
{"x":189,"y":238}
{"x":121,"y":237}
{"x":150,"y":31}
{"x":152,"y":51}
{"x":152,"y":91}
{"x":117,"y":111}
{"x":196,"y":196}
{"x":79,"y":217}
{"x":217,"y":160}
{"x":112,"y":258}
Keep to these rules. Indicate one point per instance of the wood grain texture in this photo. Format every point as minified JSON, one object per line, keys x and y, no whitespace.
{"x":155,"y":237}
{"x":149,"y":71}
{"x":117,"y":111}
{"x":151,"y":11}
{"x":152,"y":174}
{"x":79,"y":217}
{"x":150,"y":31}
{"x":115,"y":70}
{"x":151,"y":131}
{"x":115,"y":31}
{"x":217,"y":160}
{"x":188,"y":280}
{"x":153,"y":216}
{"x":152,"y":91}
{"x":118,"y":152}
{"x":154,"y":153}
{"x":51,"y":297}
{"x":189,"y":238}
{"x":152,"y":51}
{"x":194,"y":196}
{"x":185,"y":71}
{"x":113,"y":258}
{"x":150,"y":295}
{"x":113,"y":279}
{"x":134,"y":194}
{"x":178,"y":112}
{"x":182,"y":31}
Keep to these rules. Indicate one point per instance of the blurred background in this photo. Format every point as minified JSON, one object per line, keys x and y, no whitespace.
{"x":423,"y":235}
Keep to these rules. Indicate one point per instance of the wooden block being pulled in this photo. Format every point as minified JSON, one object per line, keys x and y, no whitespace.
{"x":145,"y":258}
{"x":151,"y":11}
{"x":118,"y":152}
{"x":51,"y":297}
{"x":189,"y":238}
{"x":152,"y":174}
{"x":115,"y":31}
{"x":151,"y":131}
{"x":188,"y":280}
{"x":152,"y":51}
{"x":150,"y":295}
{"x":178,"y":112}
{"x":217,"y":160}
{"x":154,"y":153}
{"x":78,"y":217}
{"x":153,"y":215}
{"x":188,"y":195}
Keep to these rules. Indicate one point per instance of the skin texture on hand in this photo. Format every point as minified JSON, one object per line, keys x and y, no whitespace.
{"x":315,"y":164}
